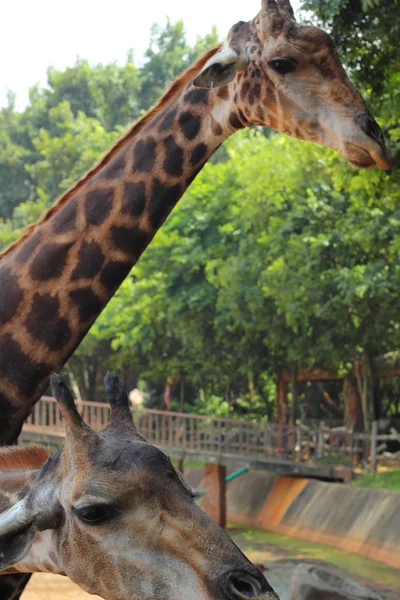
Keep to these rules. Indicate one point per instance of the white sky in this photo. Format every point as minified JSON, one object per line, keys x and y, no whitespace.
{"x":35,"y":34}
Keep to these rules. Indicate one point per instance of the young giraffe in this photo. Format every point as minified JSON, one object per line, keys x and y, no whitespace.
{"x":58,"y":277}
{"x":111,"y":513}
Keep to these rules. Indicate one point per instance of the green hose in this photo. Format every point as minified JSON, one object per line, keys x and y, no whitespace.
{"x":229,"y":477}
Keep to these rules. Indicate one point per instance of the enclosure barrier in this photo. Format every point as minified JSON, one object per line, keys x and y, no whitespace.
{"x":217,"y":436}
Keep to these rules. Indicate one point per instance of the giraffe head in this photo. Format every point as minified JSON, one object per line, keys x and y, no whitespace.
{"x":274,"y":72}
{"x":113,"y":514}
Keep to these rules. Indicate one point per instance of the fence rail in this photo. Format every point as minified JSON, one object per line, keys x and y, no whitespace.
{"x":221,"y":436}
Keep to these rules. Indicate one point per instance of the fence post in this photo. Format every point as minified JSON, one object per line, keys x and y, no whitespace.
{"x":374,"y":433}
{"x":266,"y":438}
{"x":351,"y":449}
{"x":300,"y":433}
{"x":321,"y":440}
{"x":215,"y":486}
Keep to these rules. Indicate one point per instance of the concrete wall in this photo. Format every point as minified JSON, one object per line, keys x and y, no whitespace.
{"x":365,"y":521}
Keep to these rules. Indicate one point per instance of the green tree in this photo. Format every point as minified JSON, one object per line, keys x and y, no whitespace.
{"x":167,"y":55}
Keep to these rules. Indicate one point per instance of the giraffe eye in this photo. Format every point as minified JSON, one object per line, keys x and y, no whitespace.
{"x":95,"y":514}
{"x":283,"y":65}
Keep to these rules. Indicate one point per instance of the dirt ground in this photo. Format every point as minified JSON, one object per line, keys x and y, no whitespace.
{"x":54,"y":587}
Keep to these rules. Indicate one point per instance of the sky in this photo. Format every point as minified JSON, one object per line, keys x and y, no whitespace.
{"x":36,"y":34}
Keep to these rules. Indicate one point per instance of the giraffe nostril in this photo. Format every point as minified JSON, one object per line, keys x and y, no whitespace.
{"x":244,"y":588}
{"x":370,"y":127}
{"x":241,"y":585}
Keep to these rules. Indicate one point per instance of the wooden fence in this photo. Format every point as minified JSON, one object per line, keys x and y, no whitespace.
{"x":220,"y":436}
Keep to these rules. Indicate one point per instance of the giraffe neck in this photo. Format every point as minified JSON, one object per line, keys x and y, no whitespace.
{"x":60,"y":278}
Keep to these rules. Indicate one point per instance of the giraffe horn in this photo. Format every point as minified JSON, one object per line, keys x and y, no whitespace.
{"x":285,"y":7}
{"x":72,"y":419}
{"x":269,"y":5}
{"x":117,"y":397}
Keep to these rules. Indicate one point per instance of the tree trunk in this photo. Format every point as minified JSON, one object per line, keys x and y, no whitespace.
{"x":293,"y":389}
{"x":378,"y":399}
{"x":353,"y":418}
{"x":366,"y":386}
{"x":251,"y":388}
{"x":182,"y":394}
{"x":281,"y":389}
{"x":166,"y":401}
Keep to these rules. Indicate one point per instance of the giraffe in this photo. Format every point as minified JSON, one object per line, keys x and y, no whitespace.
{"x":58,"y":277}
{"x":55,"y":281}
{"x":112,"y":513}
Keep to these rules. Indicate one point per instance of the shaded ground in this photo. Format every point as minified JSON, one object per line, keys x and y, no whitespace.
{"x":279,"y":556}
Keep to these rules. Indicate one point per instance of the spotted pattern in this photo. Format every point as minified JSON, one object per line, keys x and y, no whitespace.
{"x":113,"y":274}
{"x":28,"y":374}
{"x":163,"y":198}
{"x":199,"y":152}
{"x":50,"y":261}
{"x":88,"y":304}
{"x":134,"y":198}
{"x":64,"y":220}
{"x":90,"y":261}
{"x":10,"y":294}
{"x":190,"y":124}
{"x":235,"y":121}
{"x":44,"y":324}
{"x":173,"y":163}
{"x":98,"y":205}
{"x":197,"y":96}
{"x":223,"y":92}
{"x":27,"y":249}
{"x":145,"y":155}
{"x":131,"y":240}
{"x":7,"y":413}
{"x":116,"y":168}
{"x":167,"y":122}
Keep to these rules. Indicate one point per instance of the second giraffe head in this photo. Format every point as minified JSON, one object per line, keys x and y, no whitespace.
{"x":113,"y":514}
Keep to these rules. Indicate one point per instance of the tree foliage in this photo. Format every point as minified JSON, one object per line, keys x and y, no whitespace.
{"x":279,"y":256}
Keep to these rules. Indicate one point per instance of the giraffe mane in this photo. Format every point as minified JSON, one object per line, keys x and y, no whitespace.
{"x":17,"y":458}
{"x":175,"y":88}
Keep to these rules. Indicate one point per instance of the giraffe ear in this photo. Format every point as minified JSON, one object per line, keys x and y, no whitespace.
{"x":38,"y":511}
{"x":219,"y":70}
{"x":18,"y":527}
{"x":16,"y":535}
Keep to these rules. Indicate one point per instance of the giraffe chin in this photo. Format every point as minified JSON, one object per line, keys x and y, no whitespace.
{"x":365,"y":164}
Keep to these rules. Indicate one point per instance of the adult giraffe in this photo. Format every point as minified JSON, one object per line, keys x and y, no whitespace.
{"x":58,"y":277}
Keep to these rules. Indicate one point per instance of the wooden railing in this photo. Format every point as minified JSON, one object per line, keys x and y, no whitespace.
{"x":217,"y":436}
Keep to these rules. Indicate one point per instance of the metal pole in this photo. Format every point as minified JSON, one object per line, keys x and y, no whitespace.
{"x":374,"y":433}
{"x":229,"y":477}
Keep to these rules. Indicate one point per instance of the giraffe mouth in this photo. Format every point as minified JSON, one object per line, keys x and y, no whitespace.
{"x":361,"y":158}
